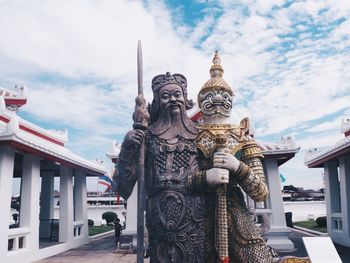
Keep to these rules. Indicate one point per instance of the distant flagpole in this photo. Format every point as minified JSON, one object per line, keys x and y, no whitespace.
{"x":97,"y":190}
{"x":110,"y":198}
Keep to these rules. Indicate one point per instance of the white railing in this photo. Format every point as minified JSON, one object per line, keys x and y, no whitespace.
{"x":17,"y":239}
{"x":261,"y":211}
{"x":78,"y":225}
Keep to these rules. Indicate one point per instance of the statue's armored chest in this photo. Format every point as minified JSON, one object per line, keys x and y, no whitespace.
{"x":209,"y":135}
{"x":171,"y":159}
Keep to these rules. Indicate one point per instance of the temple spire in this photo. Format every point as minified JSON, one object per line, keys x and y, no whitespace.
{"x":216,"y":70}
{"x":216,"y":81}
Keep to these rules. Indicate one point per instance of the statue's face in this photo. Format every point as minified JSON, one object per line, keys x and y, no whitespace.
{"x":216,"y":102}
{"x":171,"y":98}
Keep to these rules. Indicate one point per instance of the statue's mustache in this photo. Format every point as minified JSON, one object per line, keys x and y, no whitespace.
{"x":173,"y":104}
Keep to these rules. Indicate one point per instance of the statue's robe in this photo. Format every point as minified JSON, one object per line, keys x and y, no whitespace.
{"x":175,"y":217}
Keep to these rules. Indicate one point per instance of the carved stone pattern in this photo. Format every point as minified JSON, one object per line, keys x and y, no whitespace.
{"x":254,"y":184}
{"x":175,"y":218}
{"x":245,"y":242}
{"x":206,"y":142}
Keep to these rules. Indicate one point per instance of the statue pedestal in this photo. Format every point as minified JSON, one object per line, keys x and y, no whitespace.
{"x":128,"y":239}
{"x":278,"y":239}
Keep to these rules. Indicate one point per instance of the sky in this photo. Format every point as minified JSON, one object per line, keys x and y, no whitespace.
{"x":287,"y":61}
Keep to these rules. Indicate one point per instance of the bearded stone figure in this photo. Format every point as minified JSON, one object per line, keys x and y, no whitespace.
{"x":223,"y":145}
{"x":175,"y":211}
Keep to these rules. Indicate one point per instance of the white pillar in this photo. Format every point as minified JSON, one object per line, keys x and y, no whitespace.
{"x":329,"y":168}
{"x":334,"y":186}
{"x":131,"y":213}
{"x":7,"y":158}
{"x":66,"y":205}
{"x":47,"y":203}
{"x":278,"y":234}
{"x":275,"y":197}
{"x":344,"y":176}
{"x":30,"y":189}
{"x":332,"y":199}
{"x":80,"y":201}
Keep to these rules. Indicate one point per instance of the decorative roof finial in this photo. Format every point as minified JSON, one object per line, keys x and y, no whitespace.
{"x":216,"y":70}
{"x":216,"y":58}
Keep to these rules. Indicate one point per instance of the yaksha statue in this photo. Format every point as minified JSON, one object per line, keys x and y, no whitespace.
{"x":232,"y":234}
{"x":175,"y":216}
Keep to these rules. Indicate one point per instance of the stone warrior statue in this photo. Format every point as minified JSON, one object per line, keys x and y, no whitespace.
{"x":223,"y":145}
{"x":175,"y":216}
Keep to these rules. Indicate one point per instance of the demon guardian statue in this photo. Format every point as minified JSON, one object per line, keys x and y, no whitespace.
{"x":232,"y":234}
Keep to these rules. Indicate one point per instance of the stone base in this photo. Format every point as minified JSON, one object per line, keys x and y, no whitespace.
{"x":127,"y":242}
{"x":281,"y":244}
{"x":278,"y":239}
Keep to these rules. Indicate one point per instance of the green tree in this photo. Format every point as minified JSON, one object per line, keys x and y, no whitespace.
{"x":109,"y":216}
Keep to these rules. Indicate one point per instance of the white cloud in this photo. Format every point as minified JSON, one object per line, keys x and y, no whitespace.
{"x":289,"y":64}
{"x":77,"y":106}
{"x":332,"y":126}
{"x":320,"y":140}
{"x":83,"y":38}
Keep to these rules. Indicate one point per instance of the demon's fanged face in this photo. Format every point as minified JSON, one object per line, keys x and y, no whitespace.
{"x":216,"y":101}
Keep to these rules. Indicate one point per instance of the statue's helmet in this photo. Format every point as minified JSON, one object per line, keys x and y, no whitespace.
{"x":215,"y":97}
{"x":162,"y":80}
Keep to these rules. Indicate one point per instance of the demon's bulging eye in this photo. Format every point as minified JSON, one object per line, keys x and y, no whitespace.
{"x":209,"y":96}
{"x":226,"y":95}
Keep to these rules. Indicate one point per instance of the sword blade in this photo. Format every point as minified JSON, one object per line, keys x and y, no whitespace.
{"x":140,"y":170}
{"x":139,"y":69}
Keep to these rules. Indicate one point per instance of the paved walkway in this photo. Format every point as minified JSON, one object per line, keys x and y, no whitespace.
{"x":102,"y":251}
{"x":97,"y":251}
{"x":296,"y":237}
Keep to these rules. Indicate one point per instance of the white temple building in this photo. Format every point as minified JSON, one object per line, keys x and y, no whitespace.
{"x":37,"y":156}
{"x":336,"y":163}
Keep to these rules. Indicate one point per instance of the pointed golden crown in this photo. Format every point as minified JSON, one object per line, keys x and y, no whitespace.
{"x":216,"y":81}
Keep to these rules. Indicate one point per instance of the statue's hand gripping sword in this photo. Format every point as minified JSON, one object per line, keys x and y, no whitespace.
{"x":141,"y":119}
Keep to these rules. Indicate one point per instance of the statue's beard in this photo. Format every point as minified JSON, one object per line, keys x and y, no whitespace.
{"x":171,"y":123}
